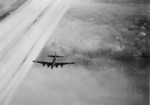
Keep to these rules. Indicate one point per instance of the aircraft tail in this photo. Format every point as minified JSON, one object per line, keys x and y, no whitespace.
{"x":55,"y":55}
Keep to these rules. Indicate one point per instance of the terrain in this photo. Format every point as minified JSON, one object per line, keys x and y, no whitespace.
{"x":96,"y":36}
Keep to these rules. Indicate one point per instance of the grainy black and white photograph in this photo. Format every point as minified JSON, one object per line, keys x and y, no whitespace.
{"x":74,"y":52}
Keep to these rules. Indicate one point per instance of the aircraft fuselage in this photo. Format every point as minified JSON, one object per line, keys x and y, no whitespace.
{"x":53,"y":62}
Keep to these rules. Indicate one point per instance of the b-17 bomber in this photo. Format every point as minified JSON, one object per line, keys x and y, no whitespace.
{"x":53,"y":63}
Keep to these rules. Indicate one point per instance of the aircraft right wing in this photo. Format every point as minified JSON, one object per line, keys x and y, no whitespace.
{"x":54,"y":56}
{"x":63,"y":63}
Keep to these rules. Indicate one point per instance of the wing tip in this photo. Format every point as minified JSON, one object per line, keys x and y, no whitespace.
{"x":72,"y":62}
{"x":34,"y":61}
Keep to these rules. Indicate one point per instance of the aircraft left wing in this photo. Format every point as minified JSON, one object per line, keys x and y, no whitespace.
{"x":44,"y":63}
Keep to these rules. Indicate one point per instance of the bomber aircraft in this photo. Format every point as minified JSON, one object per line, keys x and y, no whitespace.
{"x":53,"y":63}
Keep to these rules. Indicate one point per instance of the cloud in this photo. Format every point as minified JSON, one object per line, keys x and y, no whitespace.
{"x":76,"y":86}
{"x":77,"y":2}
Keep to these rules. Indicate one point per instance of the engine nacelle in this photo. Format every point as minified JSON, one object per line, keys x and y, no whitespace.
{"x":56,"y":66}
{"x":48,"y":65}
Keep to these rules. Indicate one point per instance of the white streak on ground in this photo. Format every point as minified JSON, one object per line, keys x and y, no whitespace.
{"x":14,"y":28}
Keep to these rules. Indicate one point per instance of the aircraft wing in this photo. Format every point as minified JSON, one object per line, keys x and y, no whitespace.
{"x":44,"y":63}
{"x":63,"y":63}
{"x":56,"y":64}
{"x":54,"y":56}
